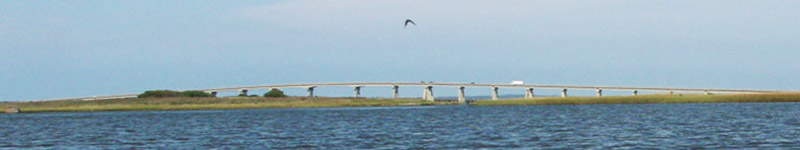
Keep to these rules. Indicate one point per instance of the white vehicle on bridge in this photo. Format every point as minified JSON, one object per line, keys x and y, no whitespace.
{"x":517,"y":82}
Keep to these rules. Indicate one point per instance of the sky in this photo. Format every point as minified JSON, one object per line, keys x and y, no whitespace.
{"x":62,"y":49}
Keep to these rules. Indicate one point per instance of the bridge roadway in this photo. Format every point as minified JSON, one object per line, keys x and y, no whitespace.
{"x":428,"y":93}
{"x":390,"y":84}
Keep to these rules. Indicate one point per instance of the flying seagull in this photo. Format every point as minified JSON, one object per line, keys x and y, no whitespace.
{"x":409,"y":21}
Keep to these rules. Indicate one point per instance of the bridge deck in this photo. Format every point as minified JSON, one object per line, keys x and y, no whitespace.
{"x":488,"y":85}
{"x":391,"y":84}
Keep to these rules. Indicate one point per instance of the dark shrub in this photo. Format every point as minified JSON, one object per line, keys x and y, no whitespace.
{"x":274,"y":93}
{"x":160,"y":94}
{"x":196,"y":94}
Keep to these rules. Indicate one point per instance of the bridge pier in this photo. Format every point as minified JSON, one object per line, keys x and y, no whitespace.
{"x":310,"y":91}
{"x":529,"y":93}
{"x":243,"y":92}
{"x":427,"y":93}
{"x":563,"y":92}
{"x":495,"y":95}
{"x":599,"y":92}
{"x":357,"y":91}
{"x":461,"y":97}
{"x":396,"y":90}
{"x":635,"y":92}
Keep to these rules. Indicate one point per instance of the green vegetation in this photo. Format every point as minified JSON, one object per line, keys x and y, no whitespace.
{"x":274,"y":93}
{"x":733,"y":98}
{"x":195,"y":103}
{"x":168,"y":93}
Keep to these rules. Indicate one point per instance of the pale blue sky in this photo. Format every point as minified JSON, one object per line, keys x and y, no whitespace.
{"x":60,"y":49}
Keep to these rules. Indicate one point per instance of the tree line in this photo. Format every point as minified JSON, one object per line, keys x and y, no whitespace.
{"x":194,"y":93}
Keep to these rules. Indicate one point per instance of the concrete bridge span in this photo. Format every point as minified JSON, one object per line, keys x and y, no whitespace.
{"x":428,"y":89}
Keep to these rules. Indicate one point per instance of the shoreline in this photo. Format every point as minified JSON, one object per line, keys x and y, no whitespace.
{"x":648,"y":99}
{"x":224,"y":103}
{"x":229,"y":103}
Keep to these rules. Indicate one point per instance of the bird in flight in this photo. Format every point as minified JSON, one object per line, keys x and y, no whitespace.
{"x":409,"y":21}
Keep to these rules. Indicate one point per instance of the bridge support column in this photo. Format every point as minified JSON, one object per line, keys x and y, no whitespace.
{"x":495,"y":95}
{"x":461,"y":97}
{"x":357,"y":91}
{"x":396,"y":93}
{"x":599,"y":92}
{"x":311,"y":91}
{"x":529,"y":93}
{"x":243,"y":92}
{"x":635,"y":92}
{"x":428,"y":93}
{"x":425,"y":93}
{"x":563,"y":92}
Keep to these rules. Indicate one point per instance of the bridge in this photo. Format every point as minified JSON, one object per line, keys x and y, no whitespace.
{"x":428,"y":89}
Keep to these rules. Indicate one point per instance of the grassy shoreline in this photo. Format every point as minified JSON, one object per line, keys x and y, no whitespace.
{"x":187,"y":103}
{"x":648,"y":99}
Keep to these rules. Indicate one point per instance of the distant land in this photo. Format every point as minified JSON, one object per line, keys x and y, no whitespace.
{"x":206,"y":103}
{"x":485,"y":97}
{"x":649,"y":99}
{"x":212,"y":103}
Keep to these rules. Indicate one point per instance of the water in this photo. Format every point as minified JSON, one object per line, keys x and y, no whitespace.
{"x":662,"y":126}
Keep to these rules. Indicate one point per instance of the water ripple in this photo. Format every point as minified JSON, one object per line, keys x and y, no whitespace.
{"x":640,"y":126}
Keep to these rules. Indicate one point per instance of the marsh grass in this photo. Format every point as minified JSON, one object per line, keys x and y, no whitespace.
{"x":189,"y":103}
{"x":727,"y":98}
